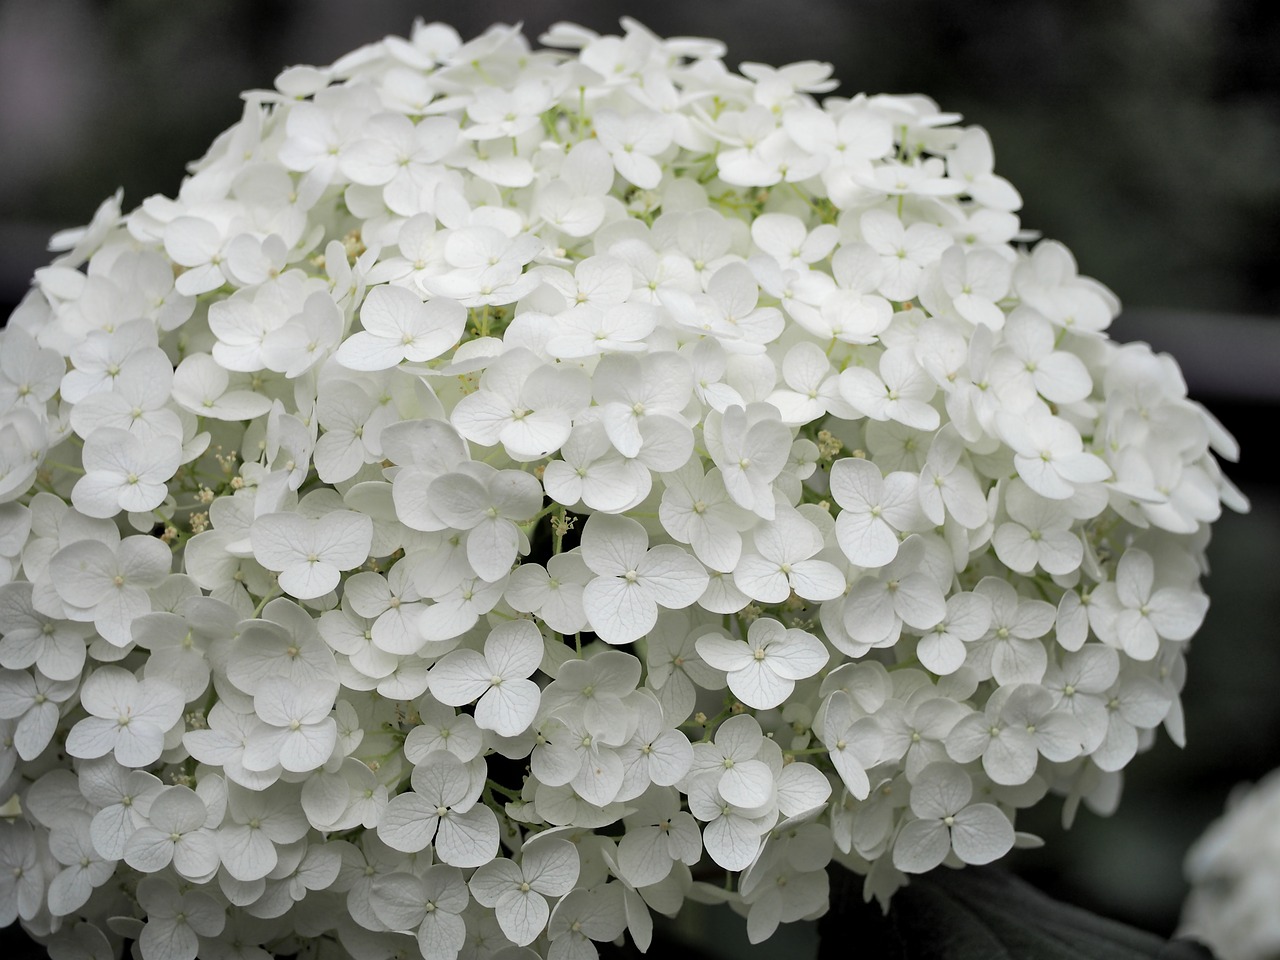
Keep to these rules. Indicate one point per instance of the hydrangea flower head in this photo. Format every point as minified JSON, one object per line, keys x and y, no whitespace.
{"x":513,"y":489}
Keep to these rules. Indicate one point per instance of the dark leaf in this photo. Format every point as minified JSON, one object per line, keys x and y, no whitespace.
{"x":980,"y":914}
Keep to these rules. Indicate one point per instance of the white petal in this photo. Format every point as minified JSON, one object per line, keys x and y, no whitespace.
{"x":981,"y":834}
{"x":468,"y":839}
{"x":921,"y":846}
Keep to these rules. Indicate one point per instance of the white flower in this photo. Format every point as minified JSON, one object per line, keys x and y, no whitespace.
{"x":1011,"y":649}
{"x":398,"y":154}
{"x":523,"y":403}
{"x":1038,"y":534}
{"x":258,"y":824}
{"x":631,"y":393}
{"x":1134,"y":702}
{"x":976,"y":281}
{"x":310,"y":554}
{"x":22,"y":888}
{"x":763,"y":670}
{"x":782,"y":562}
{"x":127,"y":717}
{"x":591,"y":471}
{"x":1049,"y":454}
{"x":392,"y":604}
{"x":904,"y":250}
{"x":942,"y":647}
{"x":137,"y":402}
{"x":176,"y":921}
{"x":873,"y":509}
{"x":284,"y":644}
{"x":569,"y":752}
{"x":1080,"y":683}
{"x":732,"y":835}
{"x":632,"y":142}
{"x":948,"y":486}
{"x":429,"y":904}
{"x":202,"y":385}
{"x":398,"y":326}
{"x":656,"y":753}
{"x":1029,"y":362}
{"x":29,"y":374}
{"x":583,"y":916}
{"x":751,"y":448}
{"x":946,"y":821}
{"x":574,"y":202}
{"x":33,"y":700}
{"x":1131,"y":614}
{"x":442,"y":809}
{"x":487,"y":503}
{"x":973,"y":162}
{"x":123,"y":799}
{"x":658,"y":835}
{"x":854,"y":741}
{"x":84,"y":869}
{"x":200,"y":245}
{"x":177,"y":832}
{"x":592,"y":691}
{"x":1016,"y":724}
{"x":297,"y":733}
{"x":553,"y":593}
{"x":788,"y":881}
{"x":517,"y":892}
{"x":905,"y":591}
{"x":54,"y":647}
{"x":632,"y":580}
{"x":900,"y":392}
{"x":443,"y":728}
{"x":739,"y":776}
{"x":306,"y":339}
{"x":122,"y":472}
{"x":498,"y":679}
{"x":696,"y":509}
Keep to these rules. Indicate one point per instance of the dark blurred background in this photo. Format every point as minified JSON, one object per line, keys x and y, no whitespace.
{"x":1145,"y":134}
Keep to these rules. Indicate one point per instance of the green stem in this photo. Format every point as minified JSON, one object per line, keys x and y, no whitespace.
{"x":505,"y":791}
{"x":54,"y":464}
{"x":806,"y":752}
{"x":275,"y":592}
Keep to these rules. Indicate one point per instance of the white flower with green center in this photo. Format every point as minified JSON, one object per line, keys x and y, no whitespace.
{"x":177,"y":832}
{"x":125,"y":472}
{"x":310,"y":555}
{"x":107,"y":585}
{"x":518,"y":892}
{"x":127,"y":717}
{"x":443,"y":810}
{"x":297,"y":732}
{"x":763,"y":669}
{"x":429,"y":904}
{"x":1132,"y":614}
{"x":632,"y":580}
{"x":399,"y":327}
{"x":947,"y":822}
{"x":498,"y":679}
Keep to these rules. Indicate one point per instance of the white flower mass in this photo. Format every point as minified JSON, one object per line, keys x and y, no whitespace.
{"x":511,"y":490}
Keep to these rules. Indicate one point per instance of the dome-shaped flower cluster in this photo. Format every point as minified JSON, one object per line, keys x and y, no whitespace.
{"x":509,"y":491}
{"x":1234,"y":872}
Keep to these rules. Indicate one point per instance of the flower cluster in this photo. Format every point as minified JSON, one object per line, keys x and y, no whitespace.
{"x":1234,"y":871}
{"x":511,"y":491}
